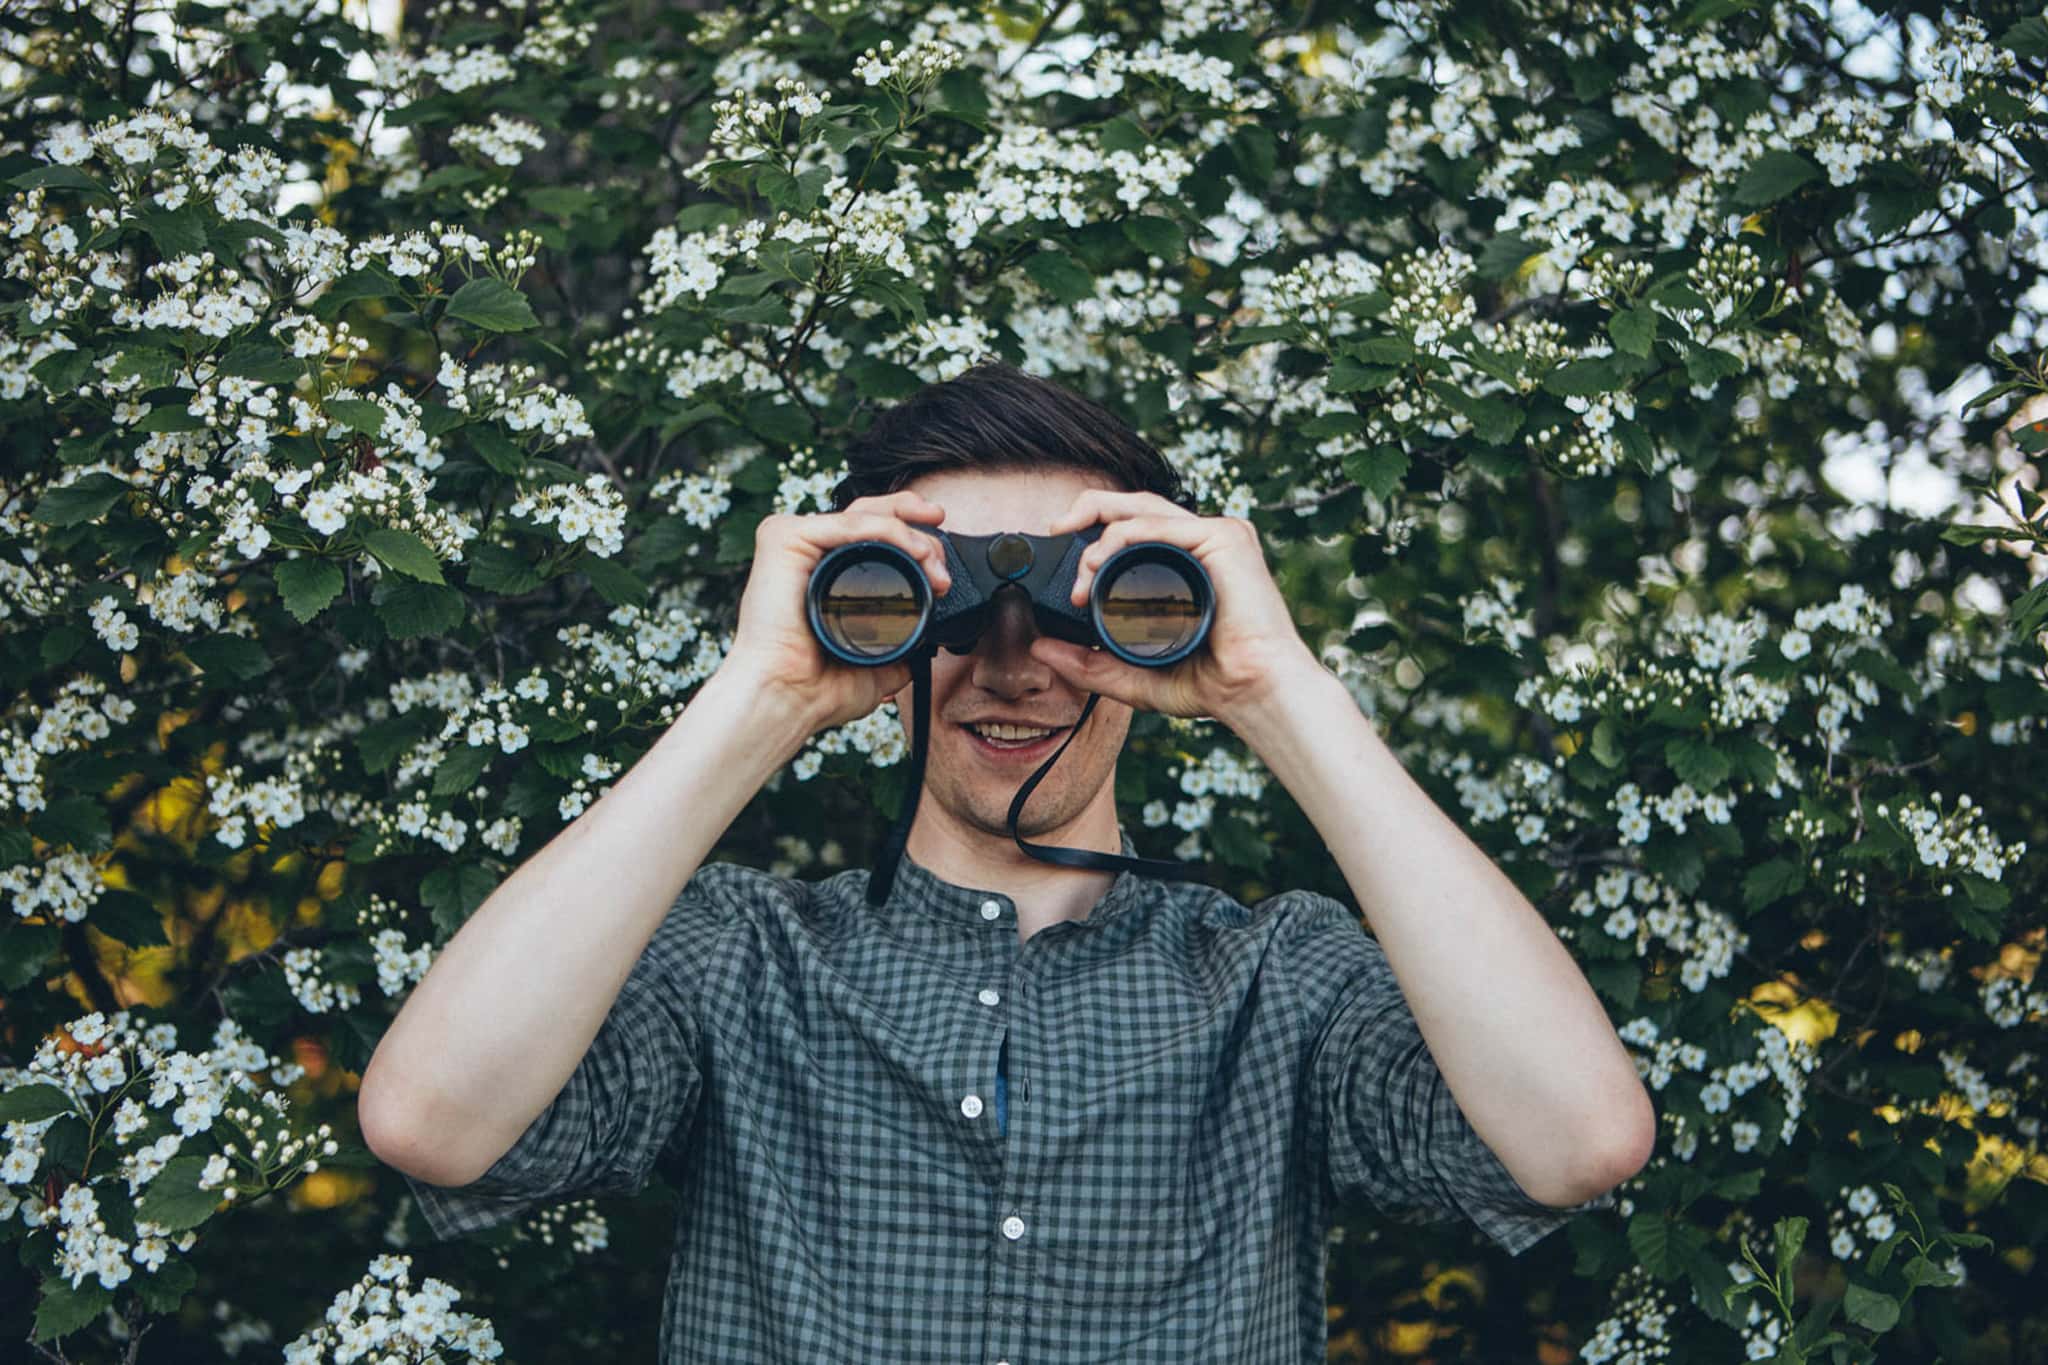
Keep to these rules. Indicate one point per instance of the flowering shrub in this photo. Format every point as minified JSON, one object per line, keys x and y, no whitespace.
{"x":1642,"y":408}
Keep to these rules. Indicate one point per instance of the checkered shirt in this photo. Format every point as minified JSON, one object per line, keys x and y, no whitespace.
{"x":1193,"y":1085}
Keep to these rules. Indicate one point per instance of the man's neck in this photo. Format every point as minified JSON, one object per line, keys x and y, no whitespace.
{"x":1044,"y":893}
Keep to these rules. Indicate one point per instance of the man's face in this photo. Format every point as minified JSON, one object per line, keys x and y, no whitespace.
{"x":972,"y":781}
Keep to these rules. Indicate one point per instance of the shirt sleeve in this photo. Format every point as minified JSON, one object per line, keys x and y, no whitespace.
{"x":634,"y":1090}
{"x":1392,"y":1129}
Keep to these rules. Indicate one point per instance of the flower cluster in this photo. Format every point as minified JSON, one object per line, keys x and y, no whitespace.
{"x":131,"y":1083}
{"x":383,"y":1314}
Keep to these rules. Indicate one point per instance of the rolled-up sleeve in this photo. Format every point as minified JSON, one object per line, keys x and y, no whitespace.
{"x":1392,"y":1131}
{"x":634,"y":1091}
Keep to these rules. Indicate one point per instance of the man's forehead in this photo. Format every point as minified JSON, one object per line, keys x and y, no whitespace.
{"x":984,"y":501}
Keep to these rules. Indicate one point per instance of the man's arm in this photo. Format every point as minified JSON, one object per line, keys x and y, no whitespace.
{"x":491,"y":1034}
{"x":1523,"y":1043}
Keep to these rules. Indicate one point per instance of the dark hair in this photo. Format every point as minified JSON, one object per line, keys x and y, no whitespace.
{"x":997,"y":417}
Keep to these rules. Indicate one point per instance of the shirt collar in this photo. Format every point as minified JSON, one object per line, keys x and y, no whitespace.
{"x":918,"y":890}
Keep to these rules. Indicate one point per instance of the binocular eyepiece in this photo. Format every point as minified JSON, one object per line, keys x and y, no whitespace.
{"x":870,"y":603}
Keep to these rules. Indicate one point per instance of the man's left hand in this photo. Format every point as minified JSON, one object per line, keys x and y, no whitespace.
{"x":1252,"y":644}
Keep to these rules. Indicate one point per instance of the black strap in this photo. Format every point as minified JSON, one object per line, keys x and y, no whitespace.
{"x":891,"y":853}
{"x":884,"y":874}
{"x":1088,"y":857}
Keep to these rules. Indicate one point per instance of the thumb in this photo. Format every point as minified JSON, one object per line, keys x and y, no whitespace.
{"x":1088,"y":669}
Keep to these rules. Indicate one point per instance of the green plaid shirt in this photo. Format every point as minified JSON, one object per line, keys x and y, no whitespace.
{"x":1192,"y":1084}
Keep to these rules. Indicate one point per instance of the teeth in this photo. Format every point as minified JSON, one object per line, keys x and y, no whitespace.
{"x":1010,"y":732}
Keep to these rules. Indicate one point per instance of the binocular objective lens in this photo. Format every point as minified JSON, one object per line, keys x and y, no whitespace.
{"x":870,"y":608}
{"x":1150,"y":609}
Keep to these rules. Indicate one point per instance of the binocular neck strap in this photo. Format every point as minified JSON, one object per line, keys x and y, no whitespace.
{"x":1088,"y":857}
{"x":884,"y":874}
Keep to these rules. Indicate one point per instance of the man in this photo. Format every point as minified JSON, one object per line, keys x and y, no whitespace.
{"x":1017,"y":1113}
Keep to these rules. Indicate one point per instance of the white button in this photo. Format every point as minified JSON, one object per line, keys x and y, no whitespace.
{"x":971,"y":1106}
{"x":1013,"y":1227}
{"x":989,"y":909}
{"x":989,"y":995}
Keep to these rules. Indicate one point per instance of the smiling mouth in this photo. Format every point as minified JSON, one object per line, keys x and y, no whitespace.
{"x":1019,"y":748}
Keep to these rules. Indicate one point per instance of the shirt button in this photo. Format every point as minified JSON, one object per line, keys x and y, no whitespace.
{"x":1013,"y":1227}
{"x":971,"y":1106}
{"x":989,"y":995}
{"x":990,"y":909}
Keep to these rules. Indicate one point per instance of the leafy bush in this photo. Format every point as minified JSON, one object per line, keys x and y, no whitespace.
{"x":1639,"y":407}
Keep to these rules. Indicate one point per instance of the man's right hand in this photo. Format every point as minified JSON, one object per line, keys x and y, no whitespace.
{"x":773,"y":646}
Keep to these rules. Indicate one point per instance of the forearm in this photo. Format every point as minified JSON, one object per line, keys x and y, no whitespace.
{"x":511,"y":1004}
{"x":1522,"y":1041}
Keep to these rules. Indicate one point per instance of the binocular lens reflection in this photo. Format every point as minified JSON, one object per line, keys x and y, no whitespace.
{"x":1149,"y":609}
{"x":871,"y":607}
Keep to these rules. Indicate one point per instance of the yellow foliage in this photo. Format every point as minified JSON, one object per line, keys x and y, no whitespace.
{"x":1408,"y":1338}
{"x":326,"y":1189}
{"x":1803,"y":1019}
{"x":1457,"y":1277}
{"x":249,"y":929}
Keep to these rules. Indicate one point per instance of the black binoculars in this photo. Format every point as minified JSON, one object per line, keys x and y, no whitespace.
{"x":869,"y":602}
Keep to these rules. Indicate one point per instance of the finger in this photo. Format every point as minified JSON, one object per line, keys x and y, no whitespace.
{"x":849,"y":527}
{"x":1191,"y":533}
{"x":1108,"y":504}
{"x":904,"y":502}
{"x":1093,"y":670}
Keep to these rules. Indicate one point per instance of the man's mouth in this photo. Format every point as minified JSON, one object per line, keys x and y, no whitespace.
{"x":1017,"y":742}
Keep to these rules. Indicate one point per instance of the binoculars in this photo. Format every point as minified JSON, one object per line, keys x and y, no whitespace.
{"x":869,"y":602}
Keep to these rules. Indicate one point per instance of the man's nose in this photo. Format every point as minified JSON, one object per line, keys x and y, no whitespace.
{"x":1002,"y":657}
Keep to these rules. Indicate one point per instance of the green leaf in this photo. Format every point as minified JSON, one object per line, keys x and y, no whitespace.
{"x":1585,"y":378}
{"x":498,"y":569}
{"x":64,"y":1310}
{"x":307,"y":585}
{"x":497,"y":449}
{"x":24,"y":952}
{"x":1707,"y":365}
{"x":176,"y":232}
{"x":1620,"y":982}
{"x":1741,"y":1185}
{"x":174,"y":1197}
{"x":1882,"y":1256}
{"x":1161,"y":237}
{"x":405,"y":552}
{"x":59,"y":178}
{"x":2028,"y":38}
{"x":1788,"y":1235}
{"x":1974,"y":533}
{"x":33,"y":1103}
{"x":1378,"y":471}
{"x":410,"y":609}
{"x":61,"y":372}
{"x":459,"y":771}
{"x":165,"y":1288}
{"x":1606,"y":743}
{"x":1634,"y":330}
{"x":1774,"y":176}
{"x":1870,"y":1309}
{"x":82,"y":500}
{"x":228,"y":657}
{"x":1771,"y":880}
{"x":1494,"y":419}
{"x":128,"y":918}
{"x":1503,"y":256}
{"x":1663,"y":1244}
{"x":452,"y":893}
{"x":1696,"y":762}
{"x":356,"y":414}
{"x":1060,"y":275}
{"x":614,"y":582}
{"x":1349,"y":376}
{"x":492,"y":305}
